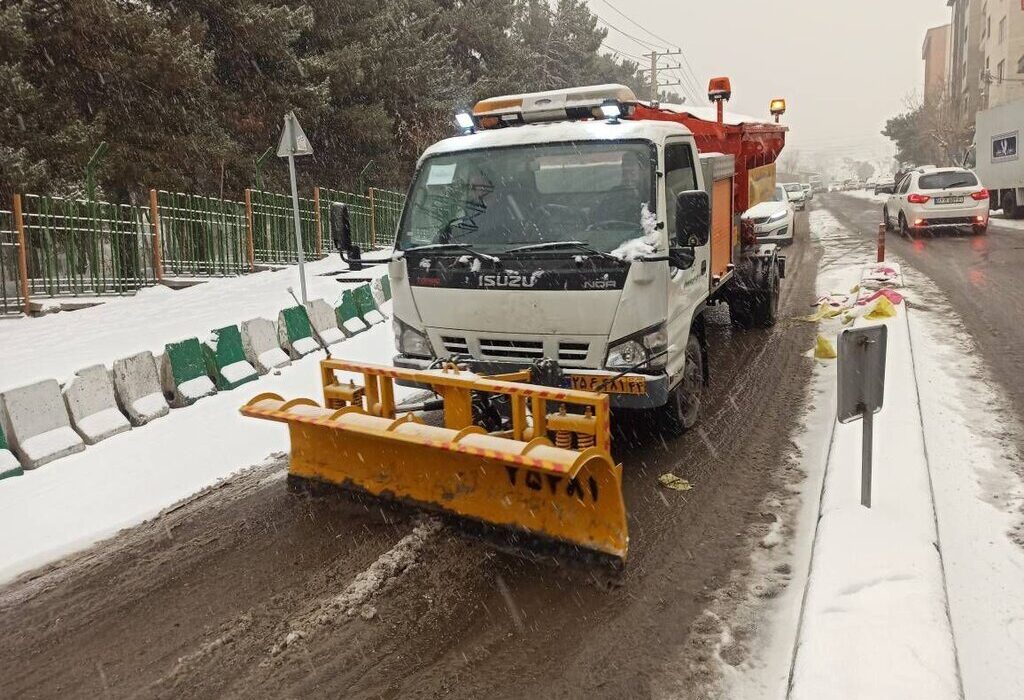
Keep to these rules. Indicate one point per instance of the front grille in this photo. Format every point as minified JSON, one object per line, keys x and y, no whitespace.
{"x":496,"y":349}
{"x":760,"y":219}
{"x":573,"y":352}
{"x":455,"y":345}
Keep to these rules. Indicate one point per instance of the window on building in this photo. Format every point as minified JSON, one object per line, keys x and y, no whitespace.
{"x":1020,"y":64}
{"x":1002,"y":30}
{"x":1000,"y":71}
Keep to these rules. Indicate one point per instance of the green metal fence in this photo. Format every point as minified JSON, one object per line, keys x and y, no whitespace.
{"x":387,"y":210}
{"x":10,"y":282}
{"x":202,"y":236}
{"x":274,"y":228}
{"x":78,"y":247}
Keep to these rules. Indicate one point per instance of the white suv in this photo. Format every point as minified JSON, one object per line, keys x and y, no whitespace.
{"x":929,"y":199}
{"x":796,"y":194}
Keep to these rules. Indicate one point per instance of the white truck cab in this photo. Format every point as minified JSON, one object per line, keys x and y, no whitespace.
{"x":584,"y":241}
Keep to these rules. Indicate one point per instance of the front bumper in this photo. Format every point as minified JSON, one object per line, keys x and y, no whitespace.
{"x":779,"y":232}
{"x":657,"y":385}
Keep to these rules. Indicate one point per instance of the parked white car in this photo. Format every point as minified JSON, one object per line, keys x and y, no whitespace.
{"x":808,"y":191}
{"x":796,"y":194}
{"x":930,"y":199}
{"x":774,"y":220}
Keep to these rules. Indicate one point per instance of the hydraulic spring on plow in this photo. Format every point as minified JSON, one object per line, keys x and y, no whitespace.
{"x":517,"y":478}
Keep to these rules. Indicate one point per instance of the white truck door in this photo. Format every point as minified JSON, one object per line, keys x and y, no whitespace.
{"x":687,"y":288}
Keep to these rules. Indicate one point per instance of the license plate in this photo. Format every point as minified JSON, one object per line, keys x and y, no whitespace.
{"x":949,"y":200}
{"x":636,"y":386}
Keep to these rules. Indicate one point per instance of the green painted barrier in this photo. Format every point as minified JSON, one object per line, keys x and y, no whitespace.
{"x":385,"y":285}
{"x":349,"y":318}
{"x":225,"y":359}
{"x":368,"y":310}
{"x":9,"y":465}
{"x":185,"y":370}
{"x":295,"y":332}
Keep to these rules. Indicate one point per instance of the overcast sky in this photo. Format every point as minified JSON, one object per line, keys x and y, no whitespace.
{"x":844,"y":67}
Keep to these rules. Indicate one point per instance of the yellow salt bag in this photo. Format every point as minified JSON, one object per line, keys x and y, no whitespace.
{"x":824,"y":349}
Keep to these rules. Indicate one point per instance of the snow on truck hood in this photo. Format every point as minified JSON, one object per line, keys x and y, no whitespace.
{"x":555,"y":132}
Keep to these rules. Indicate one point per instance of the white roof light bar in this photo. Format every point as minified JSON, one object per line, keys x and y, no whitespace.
{"x":552,"y":105}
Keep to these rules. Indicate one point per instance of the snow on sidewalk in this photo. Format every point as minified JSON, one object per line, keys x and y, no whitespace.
{"x":56,"y":345}
{"x":71,"y":503}
{"x":875,"y":620}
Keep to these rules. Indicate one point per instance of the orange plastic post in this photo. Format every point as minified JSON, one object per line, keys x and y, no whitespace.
{"x":881,"y":243}
{"x":154,"y":220}
{"x":19,"y":223}
{"x":250,"y":246}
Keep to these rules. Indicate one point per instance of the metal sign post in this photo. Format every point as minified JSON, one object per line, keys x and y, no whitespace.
{"x":862,"y":389}
{"x":294,"y":143}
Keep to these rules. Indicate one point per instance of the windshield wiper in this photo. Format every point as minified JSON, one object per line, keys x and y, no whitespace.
{"x":464,"y":247}
{"x":555,"y":245}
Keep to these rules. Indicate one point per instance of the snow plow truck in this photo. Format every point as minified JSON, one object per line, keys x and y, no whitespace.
{"x":553,"y":263}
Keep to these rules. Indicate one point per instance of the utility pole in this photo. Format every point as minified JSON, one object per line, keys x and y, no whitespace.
{"x":655,"y":67}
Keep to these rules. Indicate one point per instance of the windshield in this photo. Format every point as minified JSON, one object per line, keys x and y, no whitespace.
{"x":780,"y":194}
{"x":794,"y":188}
{"x":941,"y":181}
{"x":502,"y":198}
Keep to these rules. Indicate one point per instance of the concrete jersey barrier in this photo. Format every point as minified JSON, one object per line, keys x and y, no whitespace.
{"x":92,"y":405}
{"x":367,"y":305}
{"x":38,"y":424}
{"x":385,"y":287}
{"x":347,"y":313}
{"x":324,"y":322}
{"x":225,"y":359}
{"x":184,"y":373}
{"x":9,"y":464}
{"x":137,"y":387}
{"x":259,"y":342}
{"x":294,"y":332}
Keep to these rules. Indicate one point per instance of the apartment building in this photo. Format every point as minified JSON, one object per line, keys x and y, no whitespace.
{"x":1002,"y":49}
{"x":935,"y":53}
{"x":965,"y":57}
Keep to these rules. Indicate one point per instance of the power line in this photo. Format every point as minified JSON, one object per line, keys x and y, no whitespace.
{"x":666,"y":42}
{"x":619,"y":51}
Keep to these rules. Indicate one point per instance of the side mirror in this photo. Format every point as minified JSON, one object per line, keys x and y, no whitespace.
{"x":681,"y":257}
{"x":693,"y":219}
{"x":341,"y":233}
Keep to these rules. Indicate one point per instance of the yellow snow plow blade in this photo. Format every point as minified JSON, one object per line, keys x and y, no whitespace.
{"x":551,"y":475}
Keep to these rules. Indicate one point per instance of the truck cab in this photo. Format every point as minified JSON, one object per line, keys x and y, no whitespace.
{"x":576,"y":235}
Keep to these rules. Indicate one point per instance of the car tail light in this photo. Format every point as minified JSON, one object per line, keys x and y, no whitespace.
{"x":918,"y":198}
{"x":980,"y":195}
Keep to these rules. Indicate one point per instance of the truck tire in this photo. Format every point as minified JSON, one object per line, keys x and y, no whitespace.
{"x":682,"y":412}
{"x":759,"y":307}
{"x":1009,"y":204}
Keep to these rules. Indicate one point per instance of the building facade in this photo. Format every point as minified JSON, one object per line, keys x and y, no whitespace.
{"x":935,"y":53}
{"x":1002,"y":48}
{"x":966,"y":60}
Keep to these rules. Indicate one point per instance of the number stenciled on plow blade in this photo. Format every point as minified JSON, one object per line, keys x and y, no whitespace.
{"x":551,"y":483}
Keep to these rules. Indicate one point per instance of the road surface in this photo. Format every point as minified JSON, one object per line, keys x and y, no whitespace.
{"x":243,"y":591}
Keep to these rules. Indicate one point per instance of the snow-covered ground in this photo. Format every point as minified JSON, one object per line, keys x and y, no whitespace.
{"x":56,"y":345}
{"x":72,"y":502}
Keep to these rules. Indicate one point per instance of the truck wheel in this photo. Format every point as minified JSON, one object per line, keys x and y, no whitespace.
{"x":905,"y":230}
{"x":1009,"y":204}
{"x":682,"y":412}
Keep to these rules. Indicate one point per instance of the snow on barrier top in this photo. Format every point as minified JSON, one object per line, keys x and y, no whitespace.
{"x":9,"y":464}
{"x":324,"y":322}
{"x":875,"y":620}
{"x":259,"y":341}
{"x":184,"y":371}
{"x":349,"y":318}
{"x":137,"y":386}
{"x":38,"y":424}
{"x":93,"y":406}
{"x":295,"y":333}
{"x":366,"y":304}
{"x":225,"y":359}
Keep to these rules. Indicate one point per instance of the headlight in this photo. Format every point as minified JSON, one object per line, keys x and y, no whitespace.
{"x":777,"y":216}
{"x":643,"y":350}
{"x":409,"y":341}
